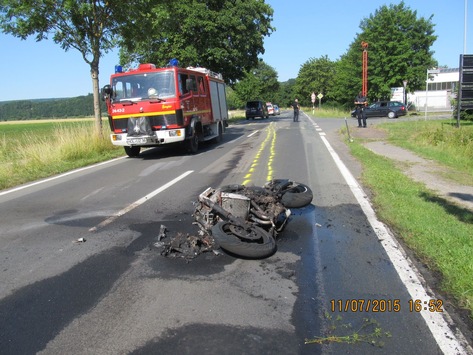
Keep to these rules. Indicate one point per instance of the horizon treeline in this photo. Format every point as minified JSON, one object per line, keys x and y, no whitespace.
{"x":80,"y":106}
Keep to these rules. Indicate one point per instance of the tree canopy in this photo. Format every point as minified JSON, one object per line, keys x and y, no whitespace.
{"x":398,"y":49}
{"x":225,"y":36}
{"x":259,"y":83}
{"x":315,"y":75}
{"x":87,"y":25}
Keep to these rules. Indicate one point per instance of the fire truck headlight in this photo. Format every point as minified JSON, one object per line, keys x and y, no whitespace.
{"x":174,"y":133}
{"x":116,"y":137}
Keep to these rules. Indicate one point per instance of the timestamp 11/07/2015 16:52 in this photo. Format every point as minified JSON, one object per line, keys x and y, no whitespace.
{"x":385,"y":305}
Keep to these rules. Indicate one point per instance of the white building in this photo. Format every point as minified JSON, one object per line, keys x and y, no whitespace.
{"x":441,"y":90}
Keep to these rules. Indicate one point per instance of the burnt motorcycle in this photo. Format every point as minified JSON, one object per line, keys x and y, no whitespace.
{"x":245,"y":221}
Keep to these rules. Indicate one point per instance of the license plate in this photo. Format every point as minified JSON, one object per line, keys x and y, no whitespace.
{"x":136,"y":140}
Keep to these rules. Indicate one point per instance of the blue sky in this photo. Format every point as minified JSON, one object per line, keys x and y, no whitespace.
{"x":304,"y":29}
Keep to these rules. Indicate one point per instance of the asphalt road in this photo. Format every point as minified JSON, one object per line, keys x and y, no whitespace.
{"x":334,"y":273}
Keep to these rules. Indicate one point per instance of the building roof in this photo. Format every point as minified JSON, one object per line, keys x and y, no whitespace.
{"x":449,"y":70}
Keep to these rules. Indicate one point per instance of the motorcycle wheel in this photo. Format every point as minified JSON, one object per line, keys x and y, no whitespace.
{"x":295,"y":194}
{"x":255,"y":243}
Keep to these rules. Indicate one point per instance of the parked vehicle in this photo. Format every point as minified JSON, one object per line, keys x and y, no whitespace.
{"x":270,"y":107}
{"x":246,"y":220}
{"x":151,"y":106}
{"x":277,"y":111}
{"x":256,"y":109}
{"x":391,"y":109}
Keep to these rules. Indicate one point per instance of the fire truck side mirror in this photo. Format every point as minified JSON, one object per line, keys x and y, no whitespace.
{"x":106,"y":91}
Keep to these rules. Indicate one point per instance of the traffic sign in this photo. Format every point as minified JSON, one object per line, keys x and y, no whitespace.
{"x":313,"y":97}
{"x":320,"y":96}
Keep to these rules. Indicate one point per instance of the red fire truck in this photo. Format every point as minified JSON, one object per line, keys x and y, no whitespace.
{"x":151,"y":106}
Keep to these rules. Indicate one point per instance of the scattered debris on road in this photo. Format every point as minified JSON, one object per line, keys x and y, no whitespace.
{"x":184,"y":245}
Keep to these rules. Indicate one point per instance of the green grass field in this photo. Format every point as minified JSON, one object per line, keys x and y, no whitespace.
{"x":31,"y":150}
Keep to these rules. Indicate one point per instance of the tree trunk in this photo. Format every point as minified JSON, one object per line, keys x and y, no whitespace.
{"x":94,"y":72}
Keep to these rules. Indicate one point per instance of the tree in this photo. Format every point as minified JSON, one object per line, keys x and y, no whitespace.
{"x":286,"y":93}
{"x":86,"y":25}
{"x":225,"y":36}
{"x":259,"y":83}
{"x":233,"y":100}
{"x":347,"y":79}
{"x":315,"y":75}
{"x":398,"y":49}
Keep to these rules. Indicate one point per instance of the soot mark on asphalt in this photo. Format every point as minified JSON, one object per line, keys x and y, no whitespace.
{"x":221,"y":339}
{"x":35,"y":314}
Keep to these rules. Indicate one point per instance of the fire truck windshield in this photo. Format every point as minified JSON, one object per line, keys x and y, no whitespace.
{"x":138,"y":86}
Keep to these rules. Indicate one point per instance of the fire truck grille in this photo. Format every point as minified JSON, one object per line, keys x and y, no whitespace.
{"x":160,"y":121}
{"x":163,"y":120}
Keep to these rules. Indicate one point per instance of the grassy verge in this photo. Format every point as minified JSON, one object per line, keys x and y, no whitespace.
{"x":440,"y":141}
{"x":236,"y":115}
{"x":440,"y":233}
{"x":326,"y":112}
{"x":40,"y":149}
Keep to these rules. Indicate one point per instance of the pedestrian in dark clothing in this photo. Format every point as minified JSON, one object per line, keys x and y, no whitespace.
{"x":296,"y":107}
{"x":361,"y":102}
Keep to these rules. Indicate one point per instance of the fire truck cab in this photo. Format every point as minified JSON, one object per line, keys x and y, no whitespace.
{"x":151,"y":106}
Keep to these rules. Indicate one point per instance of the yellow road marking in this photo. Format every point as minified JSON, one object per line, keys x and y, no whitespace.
{"x":270,"y":139}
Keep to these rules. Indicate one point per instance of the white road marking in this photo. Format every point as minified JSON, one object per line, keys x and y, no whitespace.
{"x":438,"y":323}
{"x":253,"y":133}
{"x":139,"y":202}
{"x":57,"y":176}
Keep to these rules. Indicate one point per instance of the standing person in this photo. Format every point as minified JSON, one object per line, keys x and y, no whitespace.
{"x":296,"y":107}
{"x":360,"y":102}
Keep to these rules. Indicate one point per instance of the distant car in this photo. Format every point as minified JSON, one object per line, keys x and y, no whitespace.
{"x":270,"y":107}
{"x":256,"y":109}
{"x":277,"y":111}
{"x":391,"y":109}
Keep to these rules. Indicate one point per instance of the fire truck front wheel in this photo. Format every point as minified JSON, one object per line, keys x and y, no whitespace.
{"x":132,"y":152}
{"x":193,"y":143}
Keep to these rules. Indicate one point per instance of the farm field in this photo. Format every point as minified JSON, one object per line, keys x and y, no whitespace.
{"x":32,"y":150}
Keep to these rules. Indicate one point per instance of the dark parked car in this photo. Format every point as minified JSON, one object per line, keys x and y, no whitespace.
{"x":391,"y":109}
{"x":256,"y":109}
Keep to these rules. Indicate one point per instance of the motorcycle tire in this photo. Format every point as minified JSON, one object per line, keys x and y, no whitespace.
{"x":230,"y":237}
{"x":295,"y":195}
